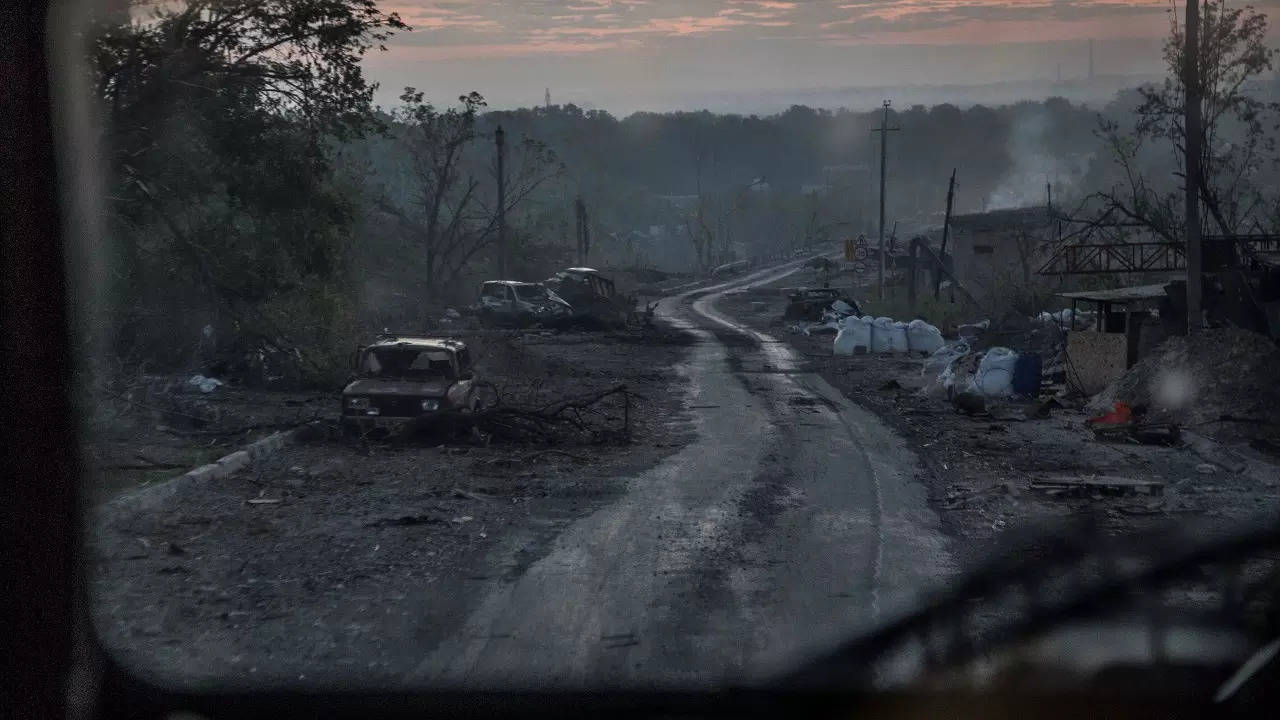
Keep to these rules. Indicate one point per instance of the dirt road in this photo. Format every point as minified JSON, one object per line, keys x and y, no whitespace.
{"x":792,"y":520}
{"x":756,"y":517}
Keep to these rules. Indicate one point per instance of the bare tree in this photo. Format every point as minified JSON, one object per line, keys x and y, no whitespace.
{"x":450,"y":215}
{"x":1237,"y":143}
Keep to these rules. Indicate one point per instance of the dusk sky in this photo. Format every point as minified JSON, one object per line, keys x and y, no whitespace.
{"x":624,"y":55}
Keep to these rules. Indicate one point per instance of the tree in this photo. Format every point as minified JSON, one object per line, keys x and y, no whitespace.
{"x":1238,"y":148}
{"x":221,"y":123}
{"x":447,"y":212}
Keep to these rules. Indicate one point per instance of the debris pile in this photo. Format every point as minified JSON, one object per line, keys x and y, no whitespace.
{"x":1065,"y":319}
{"x":1223,"y":381}
{"x":818,"y":310}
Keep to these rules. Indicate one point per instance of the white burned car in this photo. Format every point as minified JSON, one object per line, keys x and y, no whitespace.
{"x":508,"y":303}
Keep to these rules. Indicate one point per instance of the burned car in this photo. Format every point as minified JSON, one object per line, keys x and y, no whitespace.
{"x":731,"y":269}
{"x":404,"y":381}
{"x":508,"y":303}
{"x":594,"y":299}
{"x":809,"y":303}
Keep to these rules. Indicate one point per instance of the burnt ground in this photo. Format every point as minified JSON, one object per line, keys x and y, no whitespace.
{"x":323,"y":549}
{"x":979,"y":469}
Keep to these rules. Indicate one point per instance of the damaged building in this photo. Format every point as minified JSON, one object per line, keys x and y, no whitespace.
{"x":987,"y":250}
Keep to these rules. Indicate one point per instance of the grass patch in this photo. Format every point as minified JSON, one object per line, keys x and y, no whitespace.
{"x":941,"y":312}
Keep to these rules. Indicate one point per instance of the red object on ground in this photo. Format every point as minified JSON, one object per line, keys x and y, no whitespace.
{"x":1122,"y":415}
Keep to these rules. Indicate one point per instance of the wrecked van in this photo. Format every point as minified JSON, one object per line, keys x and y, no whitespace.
{"x":508,"y":303}
{"x":402,"y":381}
{"x":594,"y":299}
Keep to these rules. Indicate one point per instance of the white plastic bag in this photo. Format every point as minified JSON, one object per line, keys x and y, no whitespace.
{"x":939,"y":368}
{"x":923,"y":337}
{"x":854,"y":336}
{"x":943,"y":357}
{"x":898,"y":341}
{"x":204,"y":384}
{"x":994,"y":376}
{"x":882,"y":335}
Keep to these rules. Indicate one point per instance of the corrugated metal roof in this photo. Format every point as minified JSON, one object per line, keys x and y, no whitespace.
{"x":1002,"y":219}
{"x":1125,"y":294}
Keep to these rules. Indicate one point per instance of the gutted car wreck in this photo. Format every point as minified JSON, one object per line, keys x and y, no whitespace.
{"x":508,"y":303}
{"x":809,"y":304}
{"x":593,"y":296}
{"x":404,"y":382}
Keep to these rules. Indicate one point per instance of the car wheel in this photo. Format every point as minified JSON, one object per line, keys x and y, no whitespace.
{"x":524,"y":321}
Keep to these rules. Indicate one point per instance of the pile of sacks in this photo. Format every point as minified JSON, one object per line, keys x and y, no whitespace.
{"x":858,"y":335}
{"x":1067,"y":320}
{"x":997,"y":373}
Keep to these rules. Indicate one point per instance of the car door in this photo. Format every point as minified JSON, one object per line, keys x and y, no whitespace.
{"x":461,"y":393}
{"x":496,"y":299}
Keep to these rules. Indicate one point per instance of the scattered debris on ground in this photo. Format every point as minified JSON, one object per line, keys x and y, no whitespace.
{"x":304,"y":534}
{"x":1221,"y":381}
{"x":1007,"y":445}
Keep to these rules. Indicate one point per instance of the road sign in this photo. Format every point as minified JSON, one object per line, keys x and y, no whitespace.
{"x":860,"y":253}
{"x":859,"y":267}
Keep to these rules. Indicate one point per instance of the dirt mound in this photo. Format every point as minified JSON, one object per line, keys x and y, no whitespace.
{"x":1224,"y":382}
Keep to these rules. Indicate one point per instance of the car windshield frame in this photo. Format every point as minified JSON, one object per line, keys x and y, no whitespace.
{"x":382,"y":363}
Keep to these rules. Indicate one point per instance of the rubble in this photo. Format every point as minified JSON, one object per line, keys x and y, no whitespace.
{"x":982,"y":479}
{"x":1220,"y":380}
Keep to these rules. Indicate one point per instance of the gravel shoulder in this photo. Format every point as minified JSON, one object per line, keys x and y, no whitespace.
{"x":332,"y":553}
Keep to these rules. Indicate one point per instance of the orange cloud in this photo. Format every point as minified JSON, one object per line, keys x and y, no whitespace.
{"x":485,"y":51}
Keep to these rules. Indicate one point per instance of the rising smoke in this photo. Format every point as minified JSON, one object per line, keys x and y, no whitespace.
{"x":1036,"y":164}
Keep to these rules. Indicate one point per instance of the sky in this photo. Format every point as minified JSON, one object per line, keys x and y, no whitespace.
{"x":755,"y":55}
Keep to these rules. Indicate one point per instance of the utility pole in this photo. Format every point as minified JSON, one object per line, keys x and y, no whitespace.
{"x":584,"y":231}
{"x":884,"y":131}
{"x":1193,"y":127}
{"x":946,"y":231}
{"x":586,"y":235}
{"x":577,"y":228}
{"x":499,"y":137}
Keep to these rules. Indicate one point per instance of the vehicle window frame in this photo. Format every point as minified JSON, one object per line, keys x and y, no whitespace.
{"x":56,"y":640}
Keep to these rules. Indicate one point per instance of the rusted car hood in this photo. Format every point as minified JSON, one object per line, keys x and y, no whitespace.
{"x":410,"y":388}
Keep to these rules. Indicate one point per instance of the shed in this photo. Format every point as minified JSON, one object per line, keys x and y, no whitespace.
{"x":1128,"y":298}
{"x":1098,"y":357}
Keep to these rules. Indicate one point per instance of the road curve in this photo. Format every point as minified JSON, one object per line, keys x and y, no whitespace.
{"x":791,"y":521}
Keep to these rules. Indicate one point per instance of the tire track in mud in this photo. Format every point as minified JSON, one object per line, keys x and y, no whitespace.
{"x":796,"y":393}
{"x":762,"y":542}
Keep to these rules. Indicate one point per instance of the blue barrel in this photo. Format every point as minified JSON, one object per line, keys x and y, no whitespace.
{"x":1026,"y":375}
